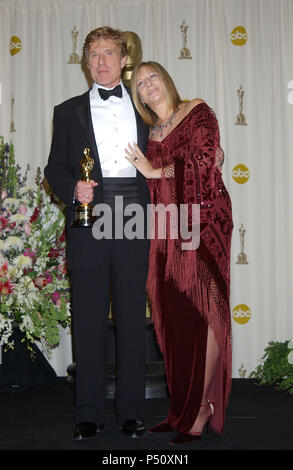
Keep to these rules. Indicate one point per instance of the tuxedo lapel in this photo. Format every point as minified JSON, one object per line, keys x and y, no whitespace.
{"x":140,"y":130}
{"x":84,"y":113}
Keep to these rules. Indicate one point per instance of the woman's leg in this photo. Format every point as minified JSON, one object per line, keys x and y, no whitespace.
{"x":212,"y":356}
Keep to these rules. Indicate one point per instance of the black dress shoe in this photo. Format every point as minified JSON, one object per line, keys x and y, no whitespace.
{"x":86,"y":430}
{"x":133,"y":428}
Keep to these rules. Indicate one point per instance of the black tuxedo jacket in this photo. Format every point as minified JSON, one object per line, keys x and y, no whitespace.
{"x":72,"y":133}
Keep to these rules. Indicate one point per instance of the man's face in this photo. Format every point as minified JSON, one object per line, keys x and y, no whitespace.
{"x":105,"y":62}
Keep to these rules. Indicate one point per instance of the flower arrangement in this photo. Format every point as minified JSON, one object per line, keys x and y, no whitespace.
{"x":34,"y":285}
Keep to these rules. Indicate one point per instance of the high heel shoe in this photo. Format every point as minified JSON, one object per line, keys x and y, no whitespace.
{"x":164,"y":426}
{"x":181,"y":438}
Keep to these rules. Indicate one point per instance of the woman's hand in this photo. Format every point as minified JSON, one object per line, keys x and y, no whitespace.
{"x":219,"y":158}
{"x":141,"y":163}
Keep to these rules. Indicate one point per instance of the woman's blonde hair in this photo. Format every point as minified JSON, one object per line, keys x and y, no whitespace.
{"x":173,"y":97}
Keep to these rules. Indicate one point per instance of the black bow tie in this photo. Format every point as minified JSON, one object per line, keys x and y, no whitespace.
{"x":104,"y":94}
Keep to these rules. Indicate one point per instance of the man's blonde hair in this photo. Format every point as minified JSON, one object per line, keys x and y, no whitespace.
{"x":105,"y":32}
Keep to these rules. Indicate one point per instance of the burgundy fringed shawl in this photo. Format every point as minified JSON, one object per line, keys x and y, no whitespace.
{"x":190,"y":176}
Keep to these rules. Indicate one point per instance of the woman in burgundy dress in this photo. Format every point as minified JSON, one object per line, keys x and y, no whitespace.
{"x":188,"y":286}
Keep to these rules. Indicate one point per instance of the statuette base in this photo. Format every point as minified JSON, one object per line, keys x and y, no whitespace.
{"x":83,"y":216}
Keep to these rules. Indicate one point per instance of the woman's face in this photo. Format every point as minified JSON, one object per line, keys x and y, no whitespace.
{"x":150,"y":87}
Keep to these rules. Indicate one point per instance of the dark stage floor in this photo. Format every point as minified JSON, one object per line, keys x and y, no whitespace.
{"x":258,"y":418}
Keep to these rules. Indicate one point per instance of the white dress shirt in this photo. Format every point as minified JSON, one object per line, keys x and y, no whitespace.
{"x":114,"y":126}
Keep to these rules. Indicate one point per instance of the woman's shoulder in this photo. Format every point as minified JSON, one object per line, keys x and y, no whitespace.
{"x":190,"y":104}
{"x":196,"y":101}
{"x":198,"y":107}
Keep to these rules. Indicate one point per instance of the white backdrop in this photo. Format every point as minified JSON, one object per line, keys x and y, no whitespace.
{"x":231,"y":43}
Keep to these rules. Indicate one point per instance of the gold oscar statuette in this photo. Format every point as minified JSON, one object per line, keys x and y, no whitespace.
{"x":83,"y":212}
{"x":134,"y":57}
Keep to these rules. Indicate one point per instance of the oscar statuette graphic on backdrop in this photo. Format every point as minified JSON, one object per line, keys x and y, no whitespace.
{"x":242,"y":258}
{"x":240,"y":118}
{"x":184,"y":52}
{"x":74,"y":57}
{"x":12,"y":126}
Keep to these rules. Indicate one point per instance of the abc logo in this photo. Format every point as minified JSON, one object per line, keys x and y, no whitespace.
{"x":240,"y":173}
{"x":241,"y":314}
{"x":15,"y":45}
{"x":239,"y":36}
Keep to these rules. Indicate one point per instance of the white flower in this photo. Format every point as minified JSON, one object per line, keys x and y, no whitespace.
{"x":5,"y":330}
{"x":2,"y":245}
{"x":10,"y":202}
{"x":68,"y":311}
{"x":50,"y":288}
{"x":25,"y":284}
{"x":290,"y":357}
{"x":29,"y":299}
{"x":40,"y":264}
{"x":22,"y":262}
{"x":27,"y":327}
{"x":18,"y":218}
{"x":14,"y":272}
{"x":13,"y":242}
{"x":26,"y":200}
{"x":27,"y":323}
{"x":9,"y":300}
{"x":25,"y":189}
{"x":290,"y":344}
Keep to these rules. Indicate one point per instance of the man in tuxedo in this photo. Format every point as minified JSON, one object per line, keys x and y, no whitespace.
{"x":103,"y":120}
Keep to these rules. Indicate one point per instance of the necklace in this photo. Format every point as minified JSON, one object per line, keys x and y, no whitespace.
{"x":162,"y":126}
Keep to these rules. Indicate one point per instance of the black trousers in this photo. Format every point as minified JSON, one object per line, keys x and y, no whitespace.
{"x":120,"y":274}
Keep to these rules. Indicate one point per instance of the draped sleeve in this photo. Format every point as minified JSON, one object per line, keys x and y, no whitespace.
{"x":190,"y":178}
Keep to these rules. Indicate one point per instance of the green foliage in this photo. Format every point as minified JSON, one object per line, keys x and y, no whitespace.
{"x":10,"y":172}
{"x":277,"y":366}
